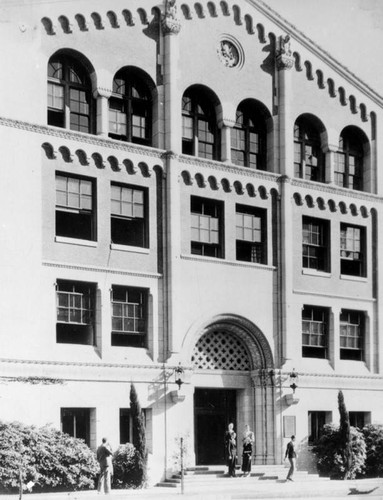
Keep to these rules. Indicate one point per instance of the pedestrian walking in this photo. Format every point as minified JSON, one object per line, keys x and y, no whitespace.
{"x":247,"y":451}
{"x":231,"y":449}
{"x":292,"y":455}
{"x":104,"y":457}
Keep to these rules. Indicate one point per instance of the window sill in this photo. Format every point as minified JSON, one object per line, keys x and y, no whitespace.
{"x":313,"y":272}
{"x":127,"y":248}
{"x":75,"y":241}
{"x":361,"y":279}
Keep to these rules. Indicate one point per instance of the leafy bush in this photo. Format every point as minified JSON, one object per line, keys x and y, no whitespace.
{"x":328,"y":450}
{"x":126,"y":467}
{"x":373,"y":435}
{"x":47,"y":458}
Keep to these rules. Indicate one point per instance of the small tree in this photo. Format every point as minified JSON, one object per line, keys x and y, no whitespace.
{"x":345,"y":436}
{"x":139,"y":435}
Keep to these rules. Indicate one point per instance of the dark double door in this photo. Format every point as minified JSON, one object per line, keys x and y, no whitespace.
{"x":214,"y":409}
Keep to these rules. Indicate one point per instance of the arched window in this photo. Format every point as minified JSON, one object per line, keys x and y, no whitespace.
{"x":130,"y":109}
{"x":308,"y":156}
{"x":199,"y":126}
{"x":349,"y":160}
{"x":248,"y":137}
{"x":70,"y":101}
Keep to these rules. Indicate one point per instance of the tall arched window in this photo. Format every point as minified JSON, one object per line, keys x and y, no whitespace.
{"x":199,"y":126}
{"x":130,"y":109}
{"x":308,"y":156}
{"x":349,"y":160}
{"x":248,"y":137}
{"x":70,"y":101}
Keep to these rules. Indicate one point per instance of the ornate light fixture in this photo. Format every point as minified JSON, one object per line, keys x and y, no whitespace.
{"x":177,"y":396}
{"x":179,"y":374}
{"x":292,"y":399}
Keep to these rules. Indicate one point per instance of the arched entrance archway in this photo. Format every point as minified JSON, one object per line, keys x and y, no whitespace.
{"x":233,"y":367}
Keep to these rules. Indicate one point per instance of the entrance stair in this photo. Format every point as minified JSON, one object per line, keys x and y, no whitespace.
{"x":215,"y":477}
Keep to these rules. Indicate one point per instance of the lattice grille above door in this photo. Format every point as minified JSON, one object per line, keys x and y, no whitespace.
{"x":220,"y":350}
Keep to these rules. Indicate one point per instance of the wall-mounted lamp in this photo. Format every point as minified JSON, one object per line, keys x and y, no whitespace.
{"x":176,"y":396}
{"x":293,"y":380}
{"x":292,"y":399}
{"x":179,"y":375}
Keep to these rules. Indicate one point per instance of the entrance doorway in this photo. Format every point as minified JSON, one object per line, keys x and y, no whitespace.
{"x":214,"y":409}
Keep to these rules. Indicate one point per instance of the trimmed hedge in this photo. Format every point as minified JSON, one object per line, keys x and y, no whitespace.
{"x":373,"y":435}
{"x":126,"y":467}
{"x":48,"y":458}
{"x":328,"y":450}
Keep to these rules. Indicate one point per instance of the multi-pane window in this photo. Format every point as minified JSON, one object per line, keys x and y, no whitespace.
{"x":351,"y":331}
{"x":352,"y":250}
{"x":199,"y":130}
{"x":130,"y":109}
{"x":126,"y":424}
{"x":206,"y":227}
{"x":76,"y":423}
{"x":315,"y":322}
{"x":129,"y":316}
{"x":308,"y":157}
{"x":128,"y":215}
{"x":250,"y":234}
{"x":359,"y":418}
{"x":348,"y":171}
{"x":315,"y":245}
{"x":316,"y":421}
{"x":248,"y":138}
{"x":75,"y":312}
{"x":70,"y":102}
{"x":75,"y":214}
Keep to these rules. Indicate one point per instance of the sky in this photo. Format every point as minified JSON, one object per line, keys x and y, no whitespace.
{"x":351,"y":31}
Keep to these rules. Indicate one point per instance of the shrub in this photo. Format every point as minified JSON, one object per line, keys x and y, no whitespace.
{"x":373,"y":435}
{"x":47,"y":457}
{"x":126,"y":467}
{"x":328,"y":450}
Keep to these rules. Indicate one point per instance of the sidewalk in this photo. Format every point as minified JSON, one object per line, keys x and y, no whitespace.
{"x":243,"y":489}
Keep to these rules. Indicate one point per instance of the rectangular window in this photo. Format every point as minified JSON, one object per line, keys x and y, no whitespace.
{"x":75,"y":312}
{"x":315,"y":322}
{"x":251,"y":234}
{"x":129,"y":316}
{"x":75,"y":215}
{"x":128,"y":216}
{"x":359,"y":418}
{"x":76,"y":423}
{"x":206,"y":227}
{"x":315,"y":244}
{"x":126,"y":424}
{"x":340,"y":170}
{"x":352,"y":250}
{"x":316,"y":421}
{"x":79,"y":110}
{"x":56,"y":111}
{"x":351,"y":335}
{"x":117,"y":119}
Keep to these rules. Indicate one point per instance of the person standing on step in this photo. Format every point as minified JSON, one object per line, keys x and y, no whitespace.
{"x":292,"y":455}
{"x":247,"y":451}
{"x":231,"y":449}
{"x":104,"y":457}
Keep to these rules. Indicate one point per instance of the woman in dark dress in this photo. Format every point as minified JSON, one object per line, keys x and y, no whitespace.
{"x":247,"y":452}
{"x":231,"y":449}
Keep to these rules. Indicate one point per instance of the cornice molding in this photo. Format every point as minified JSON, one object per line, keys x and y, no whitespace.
{"x":336,"y":190}
{"x":82,"y":138}
{"x":315,"y":49}
{"x":228,"y":168}
{"x":214,"y":260}
{"x":121,"y":272}
{"x":334,"y":296}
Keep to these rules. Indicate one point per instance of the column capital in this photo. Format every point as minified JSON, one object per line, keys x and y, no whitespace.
{"x":225,"y":122}
{"x":284,"y":56}
{"x":170,"y":23}
{"x":101,"y":92}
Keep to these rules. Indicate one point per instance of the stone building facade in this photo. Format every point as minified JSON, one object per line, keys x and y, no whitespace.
{"x":200,"y":198}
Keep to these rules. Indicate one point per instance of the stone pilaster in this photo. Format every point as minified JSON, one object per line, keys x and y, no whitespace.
{"x":102,"y":114}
